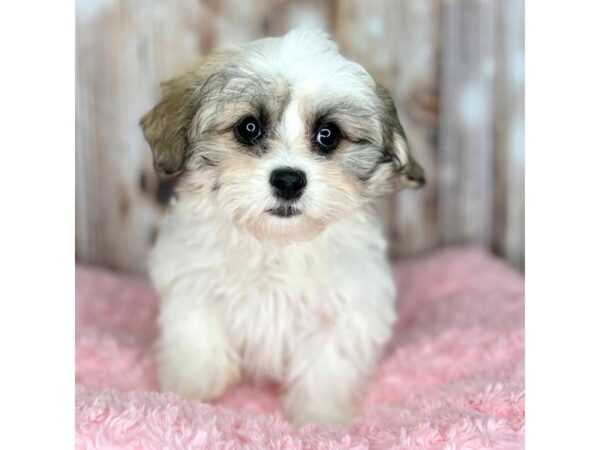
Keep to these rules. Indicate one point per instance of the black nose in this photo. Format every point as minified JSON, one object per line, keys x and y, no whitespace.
{"x":288,"y":183}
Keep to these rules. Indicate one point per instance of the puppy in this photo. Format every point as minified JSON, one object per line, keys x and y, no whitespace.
{"x":270,"y":263}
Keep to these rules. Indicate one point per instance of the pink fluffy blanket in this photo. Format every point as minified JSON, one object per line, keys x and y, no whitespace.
{"x":453,"y":378}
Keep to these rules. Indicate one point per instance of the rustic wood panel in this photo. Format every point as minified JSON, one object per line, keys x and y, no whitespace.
{"x":123,"y":50}
{"x":455,"y":69}
{"x":398,"y":42}
{"x":466,"y":141}
{"x":509,"y":207}
{"x":226,"y":22}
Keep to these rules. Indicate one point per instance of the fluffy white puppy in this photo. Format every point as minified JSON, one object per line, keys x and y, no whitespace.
{"x":270,"y":262}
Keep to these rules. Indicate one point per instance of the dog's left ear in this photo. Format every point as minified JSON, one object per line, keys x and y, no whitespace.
{"x":397,"y":168}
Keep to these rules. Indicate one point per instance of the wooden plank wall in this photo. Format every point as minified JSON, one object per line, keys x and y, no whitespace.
{"x":454,"y":67}
{"x":123,"y":50}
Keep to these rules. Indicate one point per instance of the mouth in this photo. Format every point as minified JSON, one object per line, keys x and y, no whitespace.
{"x":284,"y":211}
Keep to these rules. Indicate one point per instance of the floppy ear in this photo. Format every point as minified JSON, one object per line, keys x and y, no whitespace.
{"x":397,"y":169}
{"x":167,"y":125}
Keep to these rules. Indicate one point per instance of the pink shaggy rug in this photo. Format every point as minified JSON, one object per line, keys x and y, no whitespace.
{"x":453,"y":378}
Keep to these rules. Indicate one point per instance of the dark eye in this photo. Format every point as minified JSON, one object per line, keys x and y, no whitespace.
{"x":248,"y":131}
{"x":327,"y":137}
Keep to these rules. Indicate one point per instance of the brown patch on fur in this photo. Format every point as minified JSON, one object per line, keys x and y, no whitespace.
{"x":166,"y":125}
{"x":357,"y":122}
{"x":397,"y":168}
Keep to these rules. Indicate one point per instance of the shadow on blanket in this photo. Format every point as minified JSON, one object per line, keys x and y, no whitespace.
{"x":453,"y":378}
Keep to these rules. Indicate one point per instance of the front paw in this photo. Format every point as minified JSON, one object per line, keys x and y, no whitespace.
{"x":196,"y":377}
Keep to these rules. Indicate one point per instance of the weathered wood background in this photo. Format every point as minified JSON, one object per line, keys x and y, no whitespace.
{"x":455,"y":67}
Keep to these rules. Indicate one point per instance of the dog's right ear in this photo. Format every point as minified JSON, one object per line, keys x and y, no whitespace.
{"x":166,"y":126}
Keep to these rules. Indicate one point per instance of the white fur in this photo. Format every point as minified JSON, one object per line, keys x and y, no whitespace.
{"x":307,"y":301}
{"x":312,"y":315}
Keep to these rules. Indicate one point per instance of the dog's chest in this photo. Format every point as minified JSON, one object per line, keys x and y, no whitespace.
{"x":271,"y":302}
{"x":273,"y":299}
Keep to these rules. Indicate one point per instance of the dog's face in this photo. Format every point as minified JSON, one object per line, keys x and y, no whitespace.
{"x":287,"y":135}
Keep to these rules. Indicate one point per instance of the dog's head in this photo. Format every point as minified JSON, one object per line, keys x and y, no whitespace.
{"x":285,"y":134}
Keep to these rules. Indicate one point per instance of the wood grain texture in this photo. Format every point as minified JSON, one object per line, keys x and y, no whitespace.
{"x":398,"y":43}
{"x":466,"y":145}
{"x":509,"y":206}
{"x":454,"y":68}
{"x":225,"y":22}
{"x":123,"y":50}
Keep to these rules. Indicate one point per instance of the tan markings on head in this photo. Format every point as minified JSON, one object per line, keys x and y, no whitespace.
{"x":397,"y":168}
{"x":357,"y":120}
{"x":166,"y":126}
